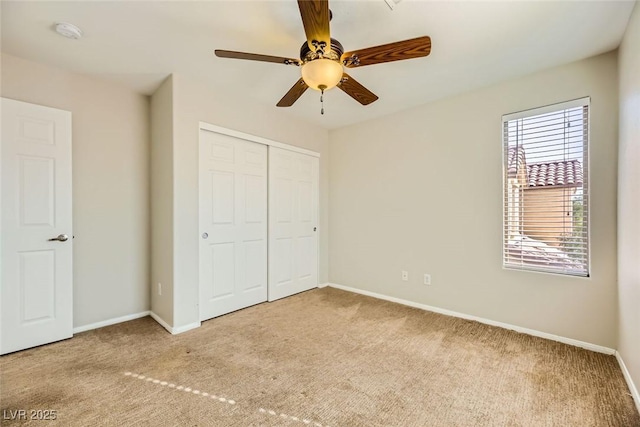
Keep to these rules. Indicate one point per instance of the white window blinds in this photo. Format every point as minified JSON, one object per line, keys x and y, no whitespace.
{"x":546,"y":191}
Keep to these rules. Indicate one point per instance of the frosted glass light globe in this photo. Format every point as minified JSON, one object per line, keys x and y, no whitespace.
{"x":322,"y":72}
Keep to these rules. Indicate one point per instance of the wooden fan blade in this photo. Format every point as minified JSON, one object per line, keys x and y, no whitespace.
{"x":406,"y":49}
{"x":256,"y":57}
{"x":294,"y":93}
{"x":315,"y":19}
{"x":355,"y":90}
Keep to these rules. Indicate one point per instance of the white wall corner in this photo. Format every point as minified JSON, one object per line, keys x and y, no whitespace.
{"x":172,"y":330}
{"x":110,"y":322}
{"x":161,"y":321}
{"x":532,"y":332}
{"x":323,"y":285}
{"x":627,"y":376}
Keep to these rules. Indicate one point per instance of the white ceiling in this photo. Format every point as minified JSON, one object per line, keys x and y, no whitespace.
{"x":475,"y":44}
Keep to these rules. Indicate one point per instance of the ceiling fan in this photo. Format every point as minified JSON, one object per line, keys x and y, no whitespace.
{"x":322,"y":58}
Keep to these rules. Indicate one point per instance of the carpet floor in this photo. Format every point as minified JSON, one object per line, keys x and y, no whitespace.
{"x":321,"y":358}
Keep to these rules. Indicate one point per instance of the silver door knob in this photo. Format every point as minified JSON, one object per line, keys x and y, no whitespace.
{"x":60,"y":238}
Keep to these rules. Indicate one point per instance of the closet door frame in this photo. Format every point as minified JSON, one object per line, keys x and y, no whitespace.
{"x":258,"y":139}
{"x":269,"y":143}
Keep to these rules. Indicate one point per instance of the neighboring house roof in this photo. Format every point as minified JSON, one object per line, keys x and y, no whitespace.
{"x":567,"y":173}
{"x":516,"y":160}
{"x":546,"y":174}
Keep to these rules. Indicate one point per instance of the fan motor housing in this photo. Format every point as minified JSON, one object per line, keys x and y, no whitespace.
{"x":306,"y":54}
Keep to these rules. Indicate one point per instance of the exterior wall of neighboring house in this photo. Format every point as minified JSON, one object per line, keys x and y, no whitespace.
{"x":540,"y":199}
{"x":517,"y":181}
{"x":514,"y":207}
{"x":544,"y":218}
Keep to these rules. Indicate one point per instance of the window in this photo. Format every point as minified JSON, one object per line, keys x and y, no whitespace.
{"x":546,"y":191}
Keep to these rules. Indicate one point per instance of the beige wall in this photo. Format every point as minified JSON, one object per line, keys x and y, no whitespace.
{"x":421,"y":191}
{"x":110,"y":184}
{"x":629,"y":199}
{"x":194,"y":102}
{"x":162,"y":201}
{"x":547,"y":207}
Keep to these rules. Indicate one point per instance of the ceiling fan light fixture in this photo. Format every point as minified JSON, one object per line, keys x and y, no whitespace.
{"x":322,"y":57}
{"x":322,"y":72}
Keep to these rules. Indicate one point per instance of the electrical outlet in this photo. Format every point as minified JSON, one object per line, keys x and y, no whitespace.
{"x":405,"y":275}
{"x":427,"y":279}
{"x":159,"y":288}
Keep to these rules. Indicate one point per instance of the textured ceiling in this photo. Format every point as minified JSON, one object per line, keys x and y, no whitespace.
{"x":475,"y":44}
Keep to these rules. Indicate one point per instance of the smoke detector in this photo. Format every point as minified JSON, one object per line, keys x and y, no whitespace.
{"x":68,"y":30}
{"x":392,"y":3}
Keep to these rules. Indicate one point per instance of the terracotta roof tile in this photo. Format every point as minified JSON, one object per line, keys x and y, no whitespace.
{"x":554,"y":173}
{"x":545,"y":174}
{"x":515,"y":162}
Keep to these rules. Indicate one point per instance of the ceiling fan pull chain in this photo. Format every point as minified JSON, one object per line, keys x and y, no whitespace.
{"x":322,"y":88}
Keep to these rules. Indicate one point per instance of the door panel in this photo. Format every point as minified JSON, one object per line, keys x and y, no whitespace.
{"x":35,"y":191}
{"x":254,"y":254}
{"x":37,"y":285}
{"x":305,"y":194}
{"x":223,"y":197}
{"x":223,"y":267}
{"x":306,"y":262}
{"x":293,"y":193}
{"x":37,"y":281}
{"x":283,"y":260}
{"x":233,"y":217}
{"x":283,"y":190}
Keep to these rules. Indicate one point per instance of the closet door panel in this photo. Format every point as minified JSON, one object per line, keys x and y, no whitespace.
{"x":293,"y":219}
{"x":233,"y":224}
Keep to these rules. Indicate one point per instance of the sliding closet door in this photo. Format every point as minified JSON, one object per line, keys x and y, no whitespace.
{"x":233,"y":224}
{"x":293,"y":222}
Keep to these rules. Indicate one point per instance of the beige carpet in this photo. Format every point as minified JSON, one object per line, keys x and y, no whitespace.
{"x":324,"y":357}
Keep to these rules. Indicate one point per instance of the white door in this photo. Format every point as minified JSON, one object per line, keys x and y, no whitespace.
{"x":293,"y":222}
{"x":37,"y":245}
{"x":233,"y":224}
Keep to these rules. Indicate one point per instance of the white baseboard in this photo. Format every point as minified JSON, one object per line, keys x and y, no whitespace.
{"x":161,"y":321}
{"x":629,"y":380}
{"x":186,"y":328}
{"x":533,"y":332}
{"x":323,"y":285}
{"x":110,"y":322}
{"x":171,"y":329}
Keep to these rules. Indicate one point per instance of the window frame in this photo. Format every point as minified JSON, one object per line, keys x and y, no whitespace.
{"x":523,"y":114}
